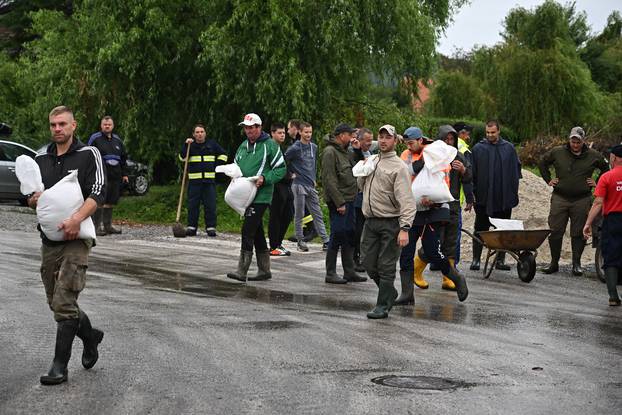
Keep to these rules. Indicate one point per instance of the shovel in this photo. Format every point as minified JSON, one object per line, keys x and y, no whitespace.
{"x":179,"y":230}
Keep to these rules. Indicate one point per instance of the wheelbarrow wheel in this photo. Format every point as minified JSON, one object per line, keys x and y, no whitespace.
{"x":526,"y":266}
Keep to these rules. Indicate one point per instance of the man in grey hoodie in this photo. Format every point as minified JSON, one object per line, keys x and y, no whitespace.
{"x":301,"y":159}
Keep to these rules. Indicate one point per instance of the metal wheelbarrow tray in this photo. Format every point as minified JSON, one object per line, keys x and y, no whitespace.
{"x":521,"y":245}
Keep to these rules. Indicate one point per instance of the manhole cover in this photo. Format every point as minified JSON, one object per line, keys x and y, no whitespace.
{"x":419,"y":382}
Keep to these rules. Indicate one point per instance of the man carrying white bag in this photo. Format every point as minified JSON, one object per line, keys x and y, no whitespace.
{"x":64,"y":261}
{"x":430,"y":189}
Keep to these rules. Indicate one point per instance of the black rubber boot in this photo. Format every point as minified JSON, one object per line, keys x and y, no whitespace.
{"x":556,"y":251}
{"x":91,"y":338}
{"x":97,"y":221}
{"x":386,"y":296}
{"x":611,"y":276}
{"x":500,"y":263}
{"x":477,"y":254}
{"x":107,"y":218}
{"x":347,"y":261}
{"x":331,"y":268}
{"x":263,"y":265}
{"x":578,"y":244}
{"x":244,"y":263}
{"x":407,"y":297}
{"x":460,"y":282}
{"x":65,"y":332}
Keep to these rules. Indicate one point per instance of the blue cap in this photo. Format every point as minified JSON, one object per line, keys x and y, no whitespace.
{"x":414,"y":133}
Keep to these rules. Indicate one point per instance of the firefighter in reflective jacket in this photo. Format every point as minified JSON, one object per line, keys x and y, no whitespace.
{"x":205,"y":155}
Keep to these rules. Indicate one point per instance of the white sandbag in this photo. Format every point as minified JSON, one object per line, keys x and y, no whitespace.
{"x":438,"y":155}
{"x":28,"y":174}
{"x":58,"y":203}
{"x":232,"y":170}
{"x":241,"y":193}
{"x":431,"y":185}
{"x":507,"y":224}
{"x":365,"y":167}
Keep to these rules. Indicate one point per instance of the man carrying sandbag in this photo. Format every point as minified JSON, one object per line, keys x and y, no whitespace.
{"x":432,"y":213}
{"x":64,"y":263}
{"x":257,"y":156}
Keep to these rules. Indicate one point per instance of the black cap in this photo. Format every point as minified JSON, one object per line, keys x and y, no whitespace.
{"x":461,"y":125}
{"x":343,"y":128}
{"x":617,"y":150}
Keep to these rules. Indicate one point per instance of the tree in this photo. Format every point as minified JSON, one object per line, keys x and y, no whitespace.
{"x":158,"y":67}
{"x":603,"y":55}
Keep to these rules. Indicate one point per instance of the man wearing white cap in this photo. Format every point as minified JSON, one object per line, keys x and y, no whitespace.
{"x":257,"y":156}
{"x":389,"y":209}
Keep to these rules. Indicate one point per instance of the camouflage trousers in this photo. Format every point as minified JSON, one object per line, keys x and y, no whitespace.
{"x":63,"y":272}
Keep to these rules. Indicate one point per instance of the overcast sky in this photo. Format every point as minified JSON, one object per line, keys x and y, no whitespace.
{"x":480,"y":22}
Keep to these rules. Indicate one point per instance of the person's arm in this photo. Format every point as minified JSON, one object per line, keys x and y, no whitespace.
{"x":329,"y":178}
{"x":277,"y":168}
{"x":596,"y":209}
{"x":404,"y":196}
{"x":221,"y":157}
{"x":544,"y":168}
{"x":95,"y":182}
{"x":184,"y":149}
{"x":124,"y":172}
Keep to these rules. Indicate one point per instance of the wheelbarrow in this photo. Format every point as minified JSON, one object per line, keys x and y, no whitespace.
{"x":521,"y":244}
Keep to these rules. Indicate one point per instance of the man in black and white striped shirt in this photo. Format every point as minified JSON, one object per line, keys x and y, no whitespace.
{"x":64,"y":263}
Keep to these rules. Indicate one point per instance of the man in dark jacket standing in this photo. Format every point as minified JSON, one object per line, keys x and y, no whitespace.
{"x":496,"y":172}
{"x":205,"y":155}
{"x":113,"y":153}
{"x":574,"y":165}
{"x":64,"y":263}
{"x":340,"y":190}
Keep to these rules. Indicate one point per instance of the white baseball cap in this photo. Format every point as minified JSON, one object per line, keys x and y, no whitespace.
{"x":251,"y":119}
{"x":389,"y":129}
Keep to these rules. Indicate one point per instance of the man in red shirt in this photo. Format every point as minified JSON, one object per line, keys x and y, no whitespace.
{"x":609,"y":201}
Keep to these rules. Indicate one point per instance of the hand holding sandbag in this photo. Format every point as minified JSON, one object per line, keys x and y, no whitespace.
{"x":57,"y":204}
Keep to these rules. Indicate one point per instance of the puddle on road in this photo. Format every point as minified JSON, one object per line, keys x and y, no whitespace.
{"x":264,"y":325}
{"x":193,"y":284}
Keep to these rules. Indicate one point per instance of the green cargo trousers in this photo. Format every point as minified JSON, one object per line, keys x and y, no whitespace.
{"x":563,"y":209}
{"x":379,"y":248}
{"x":63,"y":272}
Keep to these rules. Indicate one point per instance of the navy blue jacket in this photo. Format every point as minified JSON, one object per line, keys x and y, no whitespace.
{"x":112,"y":152}
{"x":203,"y":160}
{"x":496,"y":172}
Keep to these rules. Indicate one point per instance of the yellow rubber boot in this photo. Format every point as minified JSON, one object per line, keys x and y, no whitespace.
{"x":447,"y":283}
{"x":418,"y":274}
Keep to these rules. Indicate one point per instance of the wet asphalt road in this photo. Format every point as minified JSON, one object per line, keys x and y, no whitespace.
{"x":182,"y":338}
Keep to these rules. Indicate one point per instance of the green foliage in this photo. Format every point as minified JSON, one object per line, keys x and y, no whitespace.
{"x":157,"y":67}
{"x":603,"y":55}
{"x":535,"y":81}
{"x":456,"y":94}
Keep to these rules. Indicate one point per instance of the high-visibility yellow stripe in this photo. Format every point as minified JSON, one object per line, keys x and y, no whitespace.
{"x":307,"y":219}
{"x":209,"y":158}
{"x":203,"y":175}
{"x":222,"y":157}
{"x":195,"y":159}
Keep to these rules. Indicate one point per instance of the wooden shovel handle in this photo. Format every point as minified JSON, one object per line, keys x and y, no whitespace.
{"x":183,"y":183}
